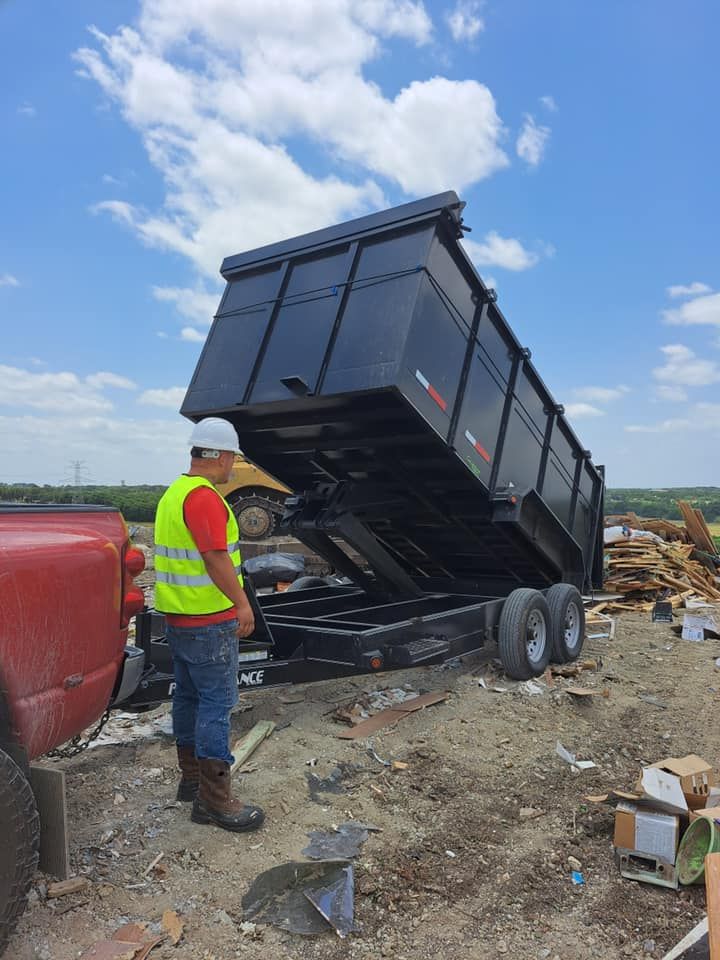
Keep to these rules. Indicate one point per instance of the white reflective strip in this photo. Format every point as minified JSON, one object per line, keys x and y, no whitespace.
{"x":183,"y":580}
{"x":177,"y":553}
{"x":470,"y":437}
{"x":421,"y":378}
{"x":232,"y":547}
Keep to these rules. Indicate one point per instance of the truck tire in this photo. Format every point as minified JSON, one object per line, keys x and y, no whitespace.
{"x":525,"y":634}
{"x":19,"y":846}
{"x":307,"y":583}
{"x":567,"y":616}
{"x":256,"y":517}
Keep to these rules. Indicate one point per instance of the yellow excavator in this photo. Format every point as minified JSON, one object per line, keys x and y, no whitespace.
{"x":256,"y":498}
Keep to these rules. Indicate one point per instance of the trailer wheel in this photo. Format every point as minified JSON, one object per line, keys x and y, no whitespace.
{"x":567,"y":615}
{"x":524,"y":634}
{"x":19,"y":846}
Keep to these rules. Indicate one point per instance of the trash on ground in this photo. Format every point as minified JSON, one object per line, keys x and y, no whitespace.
{"x":330,"y":784}
{"x":572,"y":759}
{"x":130,"y":942}
{"x":388,"y":717}
{"x":653,"y":700}
{"x":530,"y":813}
{"x":702,"y":624}
{"x":575,"y":669}
{"x":582,"y":692}
{"x":577,"y":878}
{"x":65,"y":887}
{"x":173,"y":925}
{"x":305,"y":898}
{"x":247,"y":745}
{"x":127,"y":727}
{"x":341,"y":843}
{"x":372,"y":703}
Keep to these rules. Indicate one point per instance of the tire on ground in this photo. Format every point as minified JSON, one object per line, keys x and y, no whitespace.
{"x":567,"y":615}
{"x":524,"y":634}
{"x":306,"y":583}
{"x":19,"y":845}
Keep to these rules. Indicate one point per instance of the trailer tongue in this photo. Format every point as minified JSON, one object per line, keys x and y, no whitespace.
{"x":368,"y":368}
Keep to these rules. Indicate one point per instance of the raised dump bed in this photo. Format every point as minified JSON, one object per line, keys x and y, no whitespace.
{"x":368,"y":368}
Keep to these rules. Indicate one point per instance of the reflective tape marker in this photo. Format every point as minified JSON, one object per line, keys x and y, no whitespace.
{"x":476,"y":445}
{"x":431,"y":390}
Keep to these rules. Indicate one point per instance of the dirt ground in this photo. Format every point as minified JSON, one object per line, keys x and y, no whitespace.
{"x":456,"y":871}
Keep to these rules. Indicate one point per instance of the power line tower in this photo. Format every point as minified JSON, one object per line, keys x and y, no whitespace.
{"x":79,"y":477}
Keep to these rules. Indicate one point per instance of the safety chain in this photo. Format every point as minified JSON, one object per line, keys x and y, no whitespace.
{"x":76,"y":745}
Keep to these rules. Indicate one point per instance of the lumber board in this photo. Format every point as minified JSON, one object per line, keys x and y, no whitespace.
{"x":712,"y":891}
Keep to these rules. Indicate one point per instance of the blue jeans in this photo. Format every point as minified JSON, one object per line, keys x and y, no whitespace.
{"x":205,"y":664}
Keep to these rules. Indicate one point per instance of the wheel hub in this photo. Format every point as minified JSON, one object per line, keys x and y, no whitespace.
{"x":254,"y":521}
{"x":536,"y":636}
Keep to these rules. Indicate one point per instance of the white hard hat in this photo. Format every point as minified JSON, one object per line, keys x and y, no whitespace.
{"x":214,"y":433}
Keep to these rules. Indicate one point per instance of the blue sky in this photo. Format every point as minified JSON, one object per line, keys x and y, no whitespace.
{"x":144,"y":140}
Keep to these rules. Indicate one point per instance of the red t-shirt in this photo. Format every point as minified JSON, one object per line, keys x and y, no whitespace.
{"x":205,"y":516}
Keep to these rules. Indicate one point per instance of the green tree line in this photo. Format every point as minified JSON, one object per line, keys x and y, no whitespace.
{"x":136,"y":503}
{"x":663,"y":503}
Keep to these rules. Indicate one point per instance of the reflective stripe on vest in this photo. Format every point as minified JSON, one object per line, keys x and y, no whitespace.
{"x":182,"y":584}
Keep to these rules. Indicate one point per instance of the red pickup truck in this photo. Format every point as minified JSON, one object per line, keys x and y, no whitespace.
{"x":67,"y":595}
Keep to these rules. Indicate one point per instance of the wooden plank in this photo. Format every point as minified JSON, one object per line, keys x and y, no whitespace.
{"x":712,"y":893}
{"x":48,"y":784}
{"x":248,"y":744}
{"x":389,"y":717}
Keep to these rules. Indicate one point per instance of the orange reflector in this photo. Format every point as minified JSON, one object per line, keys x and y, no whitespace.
{"x":376,"y":663}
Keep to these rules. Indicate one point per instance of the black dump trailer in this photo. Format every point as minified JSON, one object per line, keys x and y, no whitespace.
{"x":368,"y":368}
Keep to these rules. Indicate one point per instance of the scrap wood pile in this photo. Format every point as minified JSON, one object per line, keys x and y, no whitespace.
{"x":644,"y":566}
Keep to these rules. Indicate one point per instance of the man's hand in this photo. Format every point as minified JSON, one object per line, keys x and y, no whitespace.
{"x":246,"y":621}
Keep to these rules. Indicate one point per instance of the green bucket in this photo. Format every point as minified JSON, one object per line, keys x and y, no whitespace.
{"x":701,"y":838}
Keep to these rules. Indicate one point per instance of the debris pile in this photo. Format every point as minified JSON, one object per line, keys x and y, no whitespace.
{"x":653,"y":560}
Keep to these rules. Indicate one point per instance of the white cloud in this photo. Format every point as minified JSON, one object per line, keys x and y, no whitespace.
{"x":105,"y":379}
{"x":688,"y":290}
{"x":497,"y":251}
{"x":49,"y":391}
{"x":192,"y":335}
{"x":113,"y":181}
{"x":219,"y":87}
{"x":8,"y":280}
{"x":703,"y":310}
{"x":581,"y":411}
{"x":549,"y":103}
{"x":670,"y":393}
{"x":601,"y":394}
{"x":172,"y":397}
{"x":197,"y":304}
{"x":464,"y":21}
{"x":665,"y":426}
{"x":532,"y":141}
{"x":113,"y":449}
{"x":684,"y":368}
{"x":27,"y":110}
{"x":119,"y":210}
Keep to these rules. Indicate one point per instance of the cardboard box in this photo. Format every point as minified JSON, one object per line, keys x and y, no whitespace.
{"x":712,"y":812}
{"x":701,"y":625}
{"x":695,"y":775}
{"x":647,"y":832}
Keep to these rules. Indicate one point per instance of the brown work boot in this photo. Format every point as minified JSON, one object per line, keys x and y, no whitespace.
{"x":190,"y":774}
{"x":216,"y":804}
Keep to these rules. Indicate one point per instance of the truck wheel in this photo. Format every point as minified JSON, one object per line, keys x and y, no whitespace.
{"x":256,"y":518}
{"x":524,"y":634}
{"x":19,"y":846}
{"x":567,"y":617}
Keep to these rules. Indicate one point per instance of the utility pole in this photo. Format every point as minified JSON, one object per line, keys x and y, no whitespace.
{"x":79,"y":476}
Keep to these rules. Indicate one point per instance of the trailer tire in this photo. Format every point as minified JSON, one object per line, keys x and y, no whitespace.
{"x":524,"y":634}
{"x":567,"y":615}
{"x":306,"y":583}
{"x":20,"y":844}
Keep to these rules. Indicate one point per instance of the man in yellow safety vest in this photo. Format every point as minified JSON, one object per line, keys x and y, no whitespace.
{"x":199,"y":588}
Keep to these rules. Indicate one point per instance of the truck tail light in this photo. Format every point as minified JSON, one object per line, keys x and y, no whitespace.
{"x":133,"y":598}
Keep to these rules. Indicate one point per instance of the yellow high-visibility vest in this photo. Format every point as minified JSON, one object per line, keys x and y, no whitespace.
{"x":182,"y":584}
